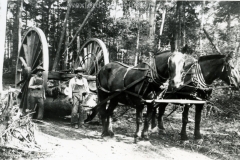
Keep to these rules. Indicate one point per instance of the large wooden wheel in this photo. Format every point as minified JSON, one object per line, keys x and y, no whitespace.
{"x":33,"y":52}
{"x":93,"y":56}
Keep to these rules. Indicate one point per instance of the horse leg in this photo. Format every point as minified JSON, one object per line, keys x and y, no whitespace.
{"x":161,"y":110}
{"x":184,"y":122}
{"x":145,"y":134}
{"x":153,"y":122}
{"x":198,"y":114}
{"x":139,"y":120}
{"x":108,"y":124}
{"x":103,"y":115}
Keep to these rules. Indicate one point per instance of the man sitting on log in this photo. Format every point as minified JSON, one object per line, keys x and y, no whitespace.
{"x":78,"y":88}
{"x":36,"y":93}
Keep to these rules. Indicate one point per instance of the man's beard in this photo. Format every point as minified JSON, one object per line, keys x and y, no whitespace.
{"x":39,"y":74}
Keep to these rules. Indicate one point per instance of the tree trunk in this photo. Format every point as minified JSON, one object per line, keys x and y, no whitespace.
{"x":16,"y":34}
{"x":206,"y":33}
{"x":3,"y":11}
{"x":137,"y":48}
{"x":66,"y":47}
{"x":161,"y":28}
{"x":152,"y":10}
{"x":178,"y":27}
{"x":184,"y":25}
{"x":57,"y":58}
{"x":201,"y":29}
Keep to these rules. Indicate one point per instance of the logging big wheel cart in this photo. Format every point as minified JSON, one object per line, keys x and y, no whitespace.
{"x":33,"y":52}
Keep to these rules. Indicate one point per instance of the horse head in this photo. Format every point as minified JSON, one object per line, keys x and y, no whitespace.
{"x":176,"y":64}
{"x":230,"y":74}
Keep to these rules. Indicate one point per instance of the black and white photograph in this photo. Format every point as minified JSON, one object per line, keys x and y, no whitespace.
{"x":119,"y":80}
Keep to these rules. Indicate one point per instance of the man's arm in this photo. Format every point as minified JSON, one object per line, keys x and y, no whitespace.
{"x":31,"y":82}
{"x":43,"y":89}
{"x":70,"y":87}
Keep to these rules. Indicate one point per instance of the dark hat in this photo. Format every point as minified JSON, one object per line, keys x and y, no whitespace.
{"x":79,"y":69}
{"x":39,"y":68}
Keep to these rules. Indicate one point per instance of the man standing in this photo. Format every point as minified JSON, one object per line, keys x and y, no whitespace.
{"x":36,"y":93}
{"x":78,"y":86}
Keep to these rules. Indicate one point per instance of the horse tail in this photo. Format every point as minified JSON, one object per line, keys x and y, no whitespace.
{"x":92,"y":115}
{"x":94,"y":111}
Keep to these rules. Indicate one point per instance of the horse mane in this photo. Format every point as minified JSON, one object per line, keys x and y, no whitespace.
{"x":210,"y":57}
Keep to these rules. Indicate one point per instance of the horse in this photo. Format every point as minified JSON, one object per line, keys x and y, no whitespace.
{"x":119,"y":83}
{"x":199,"y":75}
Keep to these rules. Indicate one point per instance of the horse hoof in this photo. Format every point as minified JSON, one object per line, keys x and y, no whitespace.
{"x":154,"y":130}
{"x":137,"y":139}
{"x":184,"y":142}
{"x":105,"y":134}
{"x":184,"y":138}
{"x":197,"y":137}
{"x":145,"y":137}
{"x":199,"y":141}
{"x":162,"y":132}
{"x":111,"y":134}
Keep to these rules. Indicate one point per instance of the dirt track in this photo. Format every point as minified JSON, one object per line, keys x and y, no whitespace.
{"x":62,"y":142}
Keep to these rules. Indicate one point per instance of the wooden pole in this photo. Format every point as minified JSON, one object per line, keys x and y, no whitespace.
{"x":79,"y":29}
{"x":84,"y":22}
{"x":62,"y":36}
{"x":3,"y":12}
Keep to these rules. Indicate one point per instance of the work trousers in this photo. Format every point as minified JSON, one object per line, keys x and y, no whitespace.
{"x":33,"y":101}
{"x":78,"y":114}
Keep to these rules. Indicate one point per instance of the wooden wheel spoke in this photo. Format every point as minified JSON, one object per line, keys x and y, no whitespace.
{"x":37,"y":57}
{"x":35,"y":46}
{"x":99,"y":55}
{"x":95,"y":49}
{"x":23,"y":62}
{"x":95,"y":55}
{"x":30,"y":41}
{"x":27,"y":56}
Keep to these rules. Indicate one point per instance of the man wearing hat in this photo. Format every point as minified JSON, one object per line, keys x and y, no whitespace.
{"x":78,"y":86}
{"x":36,"y":93}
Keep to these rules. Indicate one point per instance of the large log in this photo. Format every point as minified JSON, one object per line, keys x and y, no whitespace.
{"x":61,"y":106}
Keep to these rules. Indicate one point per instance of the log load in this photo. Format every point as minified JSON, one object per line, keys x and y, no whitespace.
{"x":57,"y":102}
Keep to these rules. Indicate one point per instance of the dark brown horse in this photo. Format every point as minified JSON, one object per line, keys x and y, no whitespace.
{"x":131,"y":85}
{"x":199,"y":75}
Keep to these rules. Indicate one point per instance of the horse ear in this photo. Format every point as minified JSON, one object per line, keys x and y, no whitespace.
{"x":229,"y":56}
{"x":186,"y":49}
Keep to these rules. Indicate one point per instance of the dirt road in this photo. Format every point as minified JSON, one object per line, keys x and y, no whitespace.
{"x":63,"y":142}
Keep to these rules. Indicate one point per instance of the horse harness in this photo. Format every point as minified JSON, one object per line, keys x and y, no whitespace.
{"x":150,"y":76}
{"x":199,"y":82}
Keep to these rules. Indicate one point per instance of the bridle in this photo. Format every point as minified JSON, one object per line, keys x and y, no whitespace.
{"x":198,"y":79}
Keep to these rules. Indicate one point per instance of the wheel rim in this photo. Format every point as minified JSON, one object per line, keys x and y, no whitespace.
{"x":92,"y":56}
{"x":32,"y":53}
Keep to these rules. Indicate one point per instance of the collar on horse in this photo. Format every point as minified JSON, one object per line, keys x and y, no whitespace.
{"x":198,"y":78}
{"x":155,"y":77}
